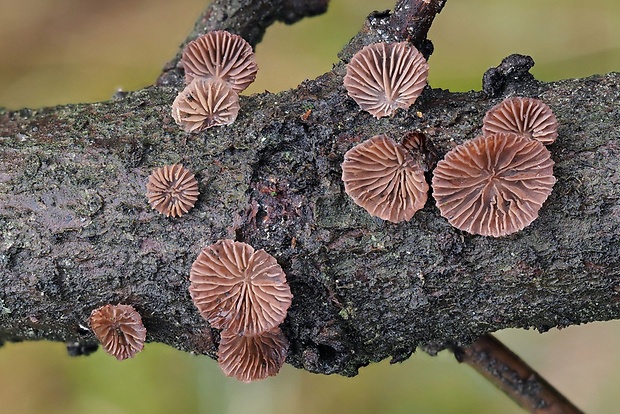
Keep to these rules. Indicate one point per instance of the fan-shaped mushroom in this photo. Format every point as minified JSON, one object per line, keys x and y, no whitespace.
{"x":205,"y":103}
{"x":493,"y":185}
{"x":120,"y":330}
{"x":526,"y":116}
{"x":223,"y":56}
{"x":385,"y":76}
{"x":238,"y":288}
{"x":251,"y":358}
{"x":383,"y":178}
{"x":172,"y":190}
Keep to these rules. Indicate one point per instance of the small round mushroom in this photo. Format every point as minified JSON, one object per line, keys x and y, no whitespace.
{"x":493,"y":185}
{"x":385,"y":76}
{"x":251,"y":358}
{"x":221,"y":55}
{"x":120,"y":330}
{"x":238,"y":288}
{"x":526,"y":116}
{"x":172,"y":190}
{"x":383,"y":178}
{"x":205,"y":103}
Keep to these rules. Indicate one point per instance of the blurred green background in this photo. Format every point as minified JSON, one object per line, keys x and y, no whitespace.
{"x":67,"y":51}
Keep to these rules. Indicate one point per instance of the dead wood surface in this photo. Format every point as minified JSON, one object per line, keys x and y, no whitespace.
{"x":76,"y":231}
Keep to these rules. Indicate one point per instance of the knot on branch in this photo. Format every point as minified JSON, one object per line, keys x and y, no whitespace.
{"x":513,"y":69}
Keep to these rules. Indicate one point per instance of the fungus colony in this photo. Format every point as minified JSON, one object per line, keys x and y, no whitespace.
{"x":218,"y":66}
{"x":244,"y":293}
{"x":493,"y":185}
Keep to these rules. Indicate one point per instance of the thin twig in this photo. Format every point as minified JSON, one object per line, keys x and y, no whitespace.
{"x":511,"y":374}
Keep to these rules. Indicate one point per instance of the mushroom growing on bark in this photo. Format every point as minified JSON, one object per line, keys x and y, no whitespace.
{"x":205,"y":103}
{"x":223,"y":56}
{"x":120,"y":330}
{"x":385,"y":76}
{"x":382,"y":177}
{"x":238,"y":288}
{"x":493,"y":185}
{"x":172,"y":190}
{"x":251,"y":358}
{"x":218,"y":66}
{"x":525,"y":116}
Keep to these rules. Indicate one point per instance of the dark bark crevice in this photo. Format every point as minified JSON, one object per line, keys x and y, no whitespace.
{"x":77,"y":232}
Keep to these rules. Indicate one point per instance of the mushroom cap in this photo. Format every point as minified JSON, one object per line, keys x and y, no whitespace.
{"x":526,"y":116}
{"x":383,"y":178}
{"x":251,"y":358}
{"x":493,"y":185}
{"x":120,"y":330}
{"x":238,"y":288}
{"x":385,"y":76}
{"x":223,"y":56}
{"x":205,"y":103}
{"x":172,"y":190}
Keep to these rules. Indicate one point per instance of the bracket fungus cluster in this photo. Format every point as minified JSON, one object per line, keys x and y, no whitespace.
{"x":494,"y":185}
{"x":244,"y":293}
{"x":218,"y":66}
{"x":172,"y":190}
{"x":383,"y":177}
{"x":120,"y":330}
{"x":383,"y":77}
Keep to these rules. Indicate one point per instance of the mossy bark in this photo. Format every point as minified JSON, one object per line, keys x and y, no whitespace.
{"x":77,"y":231}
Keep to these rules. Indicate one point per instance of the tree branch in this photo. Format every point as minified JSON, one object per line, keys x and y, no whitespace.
{"x":512,"y":375}
{"x":77,"y":232}
{"x":247,"y":18}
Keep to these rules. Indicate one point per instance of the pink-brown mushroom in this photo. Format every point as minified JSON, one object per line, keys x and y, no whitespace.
{"x":239,"y":289}
{"x":205,"y":103}
{"x":383,"y":77}
{"x":493,"y":185}
{"x":251,"y":358}
{"x":526,"y":116}
{"x":120,"y":330}
{"x":223,"y":56}
{"x":172,"y":190}
{"x":382,"y":177}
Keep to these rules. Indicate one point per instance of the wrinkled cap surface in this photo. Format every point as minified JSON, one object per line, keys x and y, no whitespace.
{"x":382,"y":177}
{"x":120,"y":330}
{"x":172,"y":190}
{"x":238,"y":288}
{"x":526,"y":116}
{"x":205,"y":103}
{"x":493,"y":185}
{"x":223,"y":56}
{"x":385,"y":76}
{"x":251,"y":358}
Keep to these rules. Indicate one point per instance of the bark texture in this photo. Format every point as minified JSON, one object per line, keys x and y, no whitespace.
{"x":76,"y":231}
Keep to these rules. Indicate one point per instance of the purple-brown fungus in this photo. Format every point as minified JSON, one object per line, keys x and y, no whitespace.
{"x":239,"y":289}
{"x":120,"y":330}
{"x":493,"y":185}
{"x":382,"y":177}
{"x":205,"y":103}
{"x":172,"y":190}
{"x":383,"y":77}
{"x":525,"y":116}
{"x":223,"y":56}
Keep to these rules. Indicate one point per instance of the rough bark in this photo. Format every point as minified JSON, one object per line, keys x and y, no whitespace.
{"x":77,"y":232}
